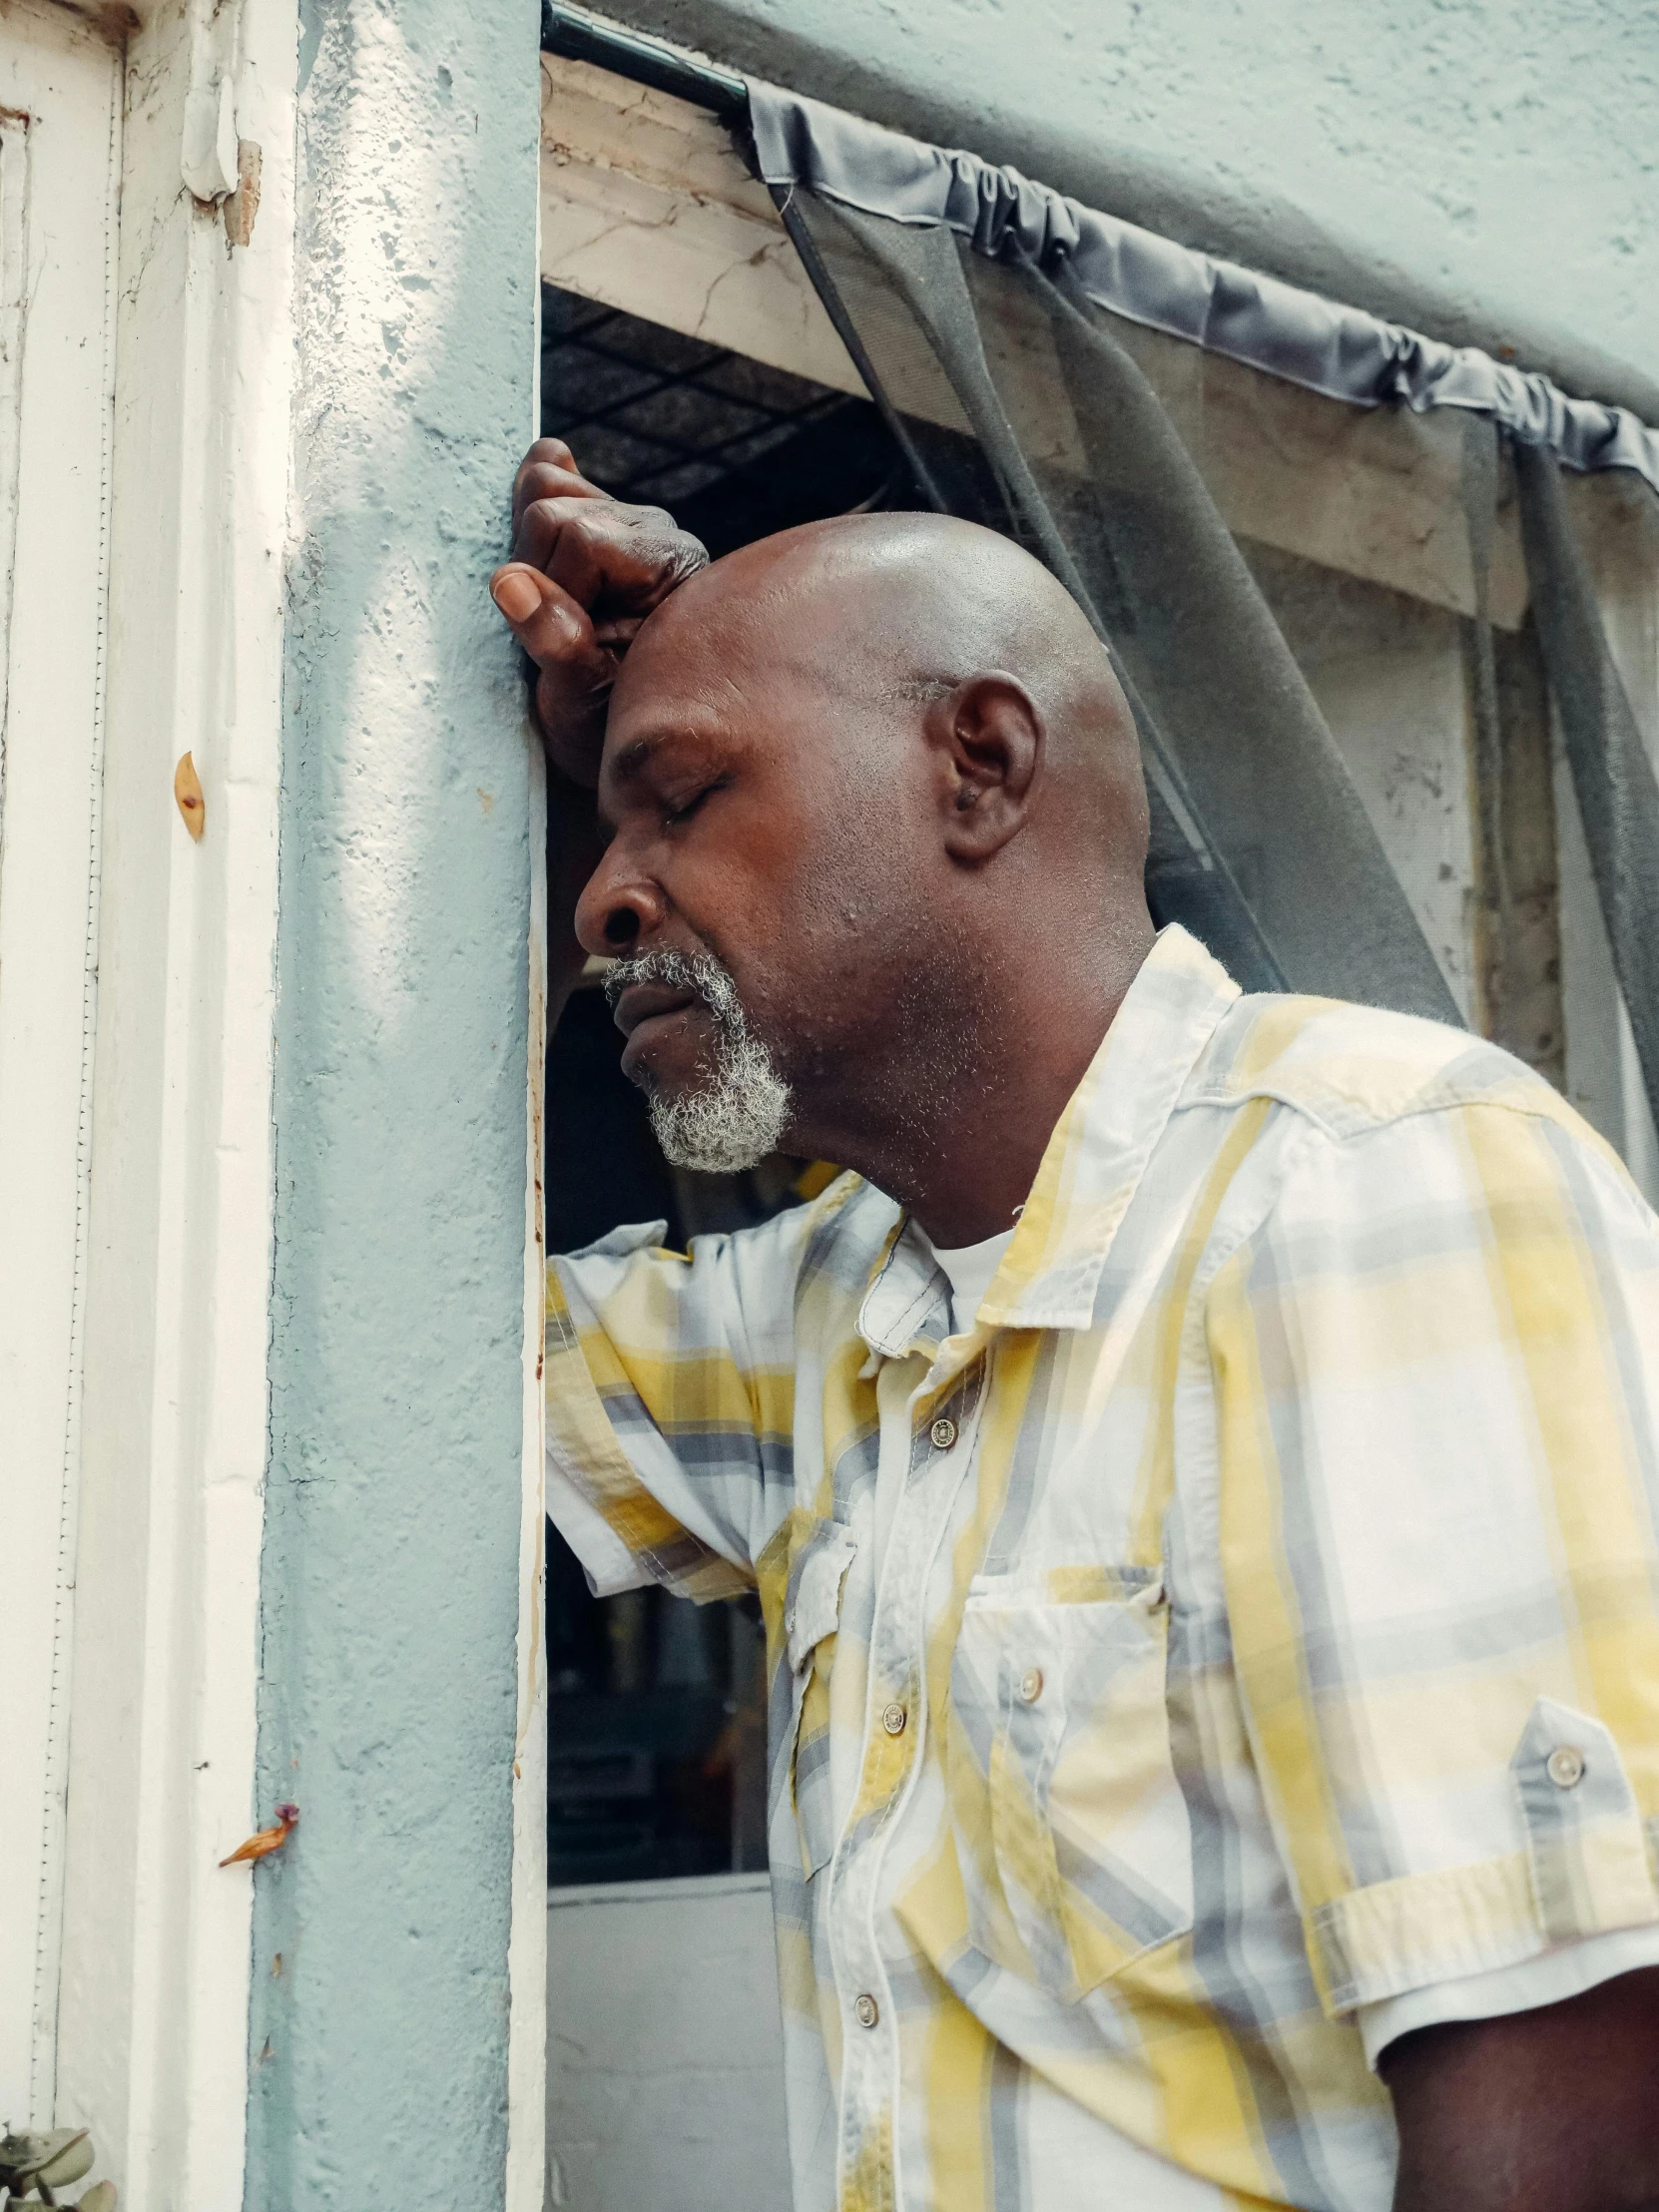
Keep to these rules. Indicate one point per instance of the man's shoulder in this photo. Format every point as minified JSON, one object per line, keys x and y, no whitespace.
{"x":1353,"y":1068}
{"x":831,"y":1242}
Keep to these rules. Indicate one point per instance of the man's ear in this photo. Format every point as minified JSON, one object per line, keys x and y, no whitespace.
{"x":988,"y":738}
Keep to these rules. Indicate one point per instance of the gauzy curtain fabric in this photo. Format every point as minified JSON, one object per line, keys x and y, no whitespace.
{"x":1340,"y":351}
{"x":1612,"y":775}
{"x":995,"y":324}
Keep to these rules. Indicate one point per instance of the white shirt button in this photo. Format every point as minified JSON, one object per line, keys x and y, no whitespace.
{"x":1031,"y":1685}
{"x":943,"y":1433}
{"x":867,"y":2011}
{"x":1566,"y":1767}
{"x":894,"y":1718}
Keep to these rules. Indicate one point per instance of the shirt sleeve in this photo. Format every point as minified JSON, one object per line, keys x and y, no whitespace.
{"x":1436,"y":1370}
{"x":669,"y":1391}
{"x":1563,"y":1971}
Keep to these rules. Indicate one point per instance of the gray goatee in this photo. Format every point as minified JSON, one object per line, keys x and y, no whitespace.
{"x":732,"y":1112}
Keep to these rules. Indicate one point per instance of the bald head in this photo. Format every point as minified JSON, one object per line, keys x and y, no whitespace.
{"x":882,"y":614}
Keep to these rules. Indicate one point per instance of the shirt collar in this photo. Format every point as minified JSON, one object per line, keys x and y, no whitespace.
{"x":1090,"y":1169}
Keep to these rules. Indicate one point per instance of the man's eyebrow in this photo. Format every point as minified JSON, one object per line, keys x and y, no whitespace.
{"x":632,"y":759}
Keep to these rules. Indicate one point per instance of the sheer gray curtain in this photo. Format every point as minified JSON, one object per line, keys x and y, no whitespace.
{"x":971,"y":301}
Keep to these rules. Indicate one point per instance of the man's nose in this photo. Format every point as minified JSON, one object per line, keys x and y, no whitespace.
{"x":619,"y":909}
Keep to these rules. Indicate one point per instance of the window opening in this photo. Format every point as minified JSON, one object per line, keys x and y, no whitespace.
{"x":657,"y":1758}
{"x":656,"y":1709}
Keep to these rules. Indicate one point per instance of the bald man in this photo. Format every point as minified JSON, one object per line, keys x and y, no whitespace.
{"x":1198,"y":1465}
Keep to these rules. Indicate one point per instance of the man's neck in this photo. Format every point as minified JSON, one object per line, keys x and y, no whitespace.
{"x":963,"y":1151}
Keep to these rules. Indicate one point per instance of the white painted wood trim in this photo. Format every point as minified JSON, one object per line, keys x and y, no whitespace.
{"x":152,"y":2042}
{"x":527,"y":1943}
{"x":526,"y":2186}
{"x":60,"y":115}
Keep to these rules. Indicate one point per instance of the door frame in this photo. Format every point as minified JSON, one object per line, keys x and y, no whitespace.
{"x":150,"y":2043}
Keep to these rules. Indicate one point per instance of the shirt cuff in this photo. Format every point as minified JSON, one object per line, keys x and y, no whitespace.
{"x":1563,"y":1971}
{"x":606,"y":1560}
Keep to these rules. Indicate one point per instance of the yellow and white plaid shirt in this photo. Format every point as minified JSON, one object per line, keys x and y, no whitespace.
{"x":1248,"y":1628}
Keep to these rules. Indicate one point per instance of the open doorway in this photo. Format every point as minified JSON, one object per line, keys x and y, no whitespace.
{"x":657,"y":1724}
{"x":660,"y":1917}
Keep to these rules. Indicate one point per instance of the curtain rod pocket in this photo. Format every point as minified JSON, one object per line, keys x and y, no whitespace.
{"x":1341,"y":352}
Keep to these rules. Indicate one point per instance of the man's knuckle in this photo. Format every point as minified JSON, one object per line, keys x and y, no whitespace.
{"x":558,"y":511}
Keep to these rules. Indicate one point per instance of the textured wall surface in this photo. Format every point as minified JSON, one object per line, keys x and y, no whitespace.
{"x":390,"y":1572}
{"x":1485,"y":169}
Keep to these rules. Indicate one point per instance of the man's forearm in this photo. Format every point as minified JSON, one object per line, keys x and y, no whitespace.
{"x":1553,"y":2110}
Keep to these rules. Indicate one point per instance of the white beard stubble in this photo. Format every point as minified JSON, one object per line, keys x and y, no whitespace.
{"x":732,"y":1114}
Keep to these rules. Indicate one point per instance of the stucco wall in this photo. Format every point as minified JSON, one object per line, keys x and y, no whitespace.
{"x":1488,"y":172}
{"x":390,"y":1575}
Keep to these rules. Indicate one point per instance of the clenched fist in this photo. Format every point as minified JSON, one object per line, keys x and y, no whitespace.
{"x":586,"y":571}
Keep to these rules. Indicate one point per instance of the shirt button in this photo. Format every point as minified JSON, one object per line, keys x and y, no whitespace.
{"x":944,"y":1433}
{"x":894,"y":1718}
{"x":1031,"y":1685}
{"x":867,"y":2011}
{"x":1566,"y":1767}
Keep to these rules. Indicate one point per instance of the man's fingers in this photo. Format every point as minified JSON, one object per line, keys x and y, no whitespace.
{"x":550,"y":457}
{"x":552,"y":629}
{"x":574,"y":541}
{"x":586,"y":571}
{"x":613,"y":559}
{"x":619,"y":631}
{"x":575,"y":671}
{"x":587,"y":545}
{"x":544,"y":481}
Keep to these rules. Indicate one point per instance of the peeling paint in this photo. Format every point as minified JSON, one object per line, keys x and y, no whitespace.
{"x":243,"y":205}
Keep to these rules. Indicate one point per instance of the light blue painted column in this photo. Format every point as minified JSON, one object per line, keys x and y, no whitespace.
{"x":389,"y":1589}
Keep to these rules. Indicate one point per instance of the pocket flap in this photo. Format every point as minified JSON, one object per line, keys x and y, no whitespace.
{"x":1585,"y":1842}
{"x":812,"y":1598}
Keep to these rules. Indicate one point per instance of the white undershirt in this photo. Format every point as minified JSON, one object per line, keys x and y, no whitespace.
{"x":968,"y":1268}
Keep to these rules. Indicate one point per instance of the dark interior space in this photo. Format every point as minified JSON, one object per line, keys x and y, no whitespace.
{"x":736,"y":450}
{"x":657,"y":1727}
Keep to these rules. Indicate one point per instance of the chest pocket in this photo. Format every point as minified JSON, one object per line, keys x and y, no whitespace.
{"x":1088,"y":1825}
{"x":811,"y":1614}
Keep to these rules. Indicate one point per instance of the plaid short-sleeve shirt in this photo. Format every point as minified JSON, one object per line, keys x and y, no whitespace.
{"x":1247,"y":1624}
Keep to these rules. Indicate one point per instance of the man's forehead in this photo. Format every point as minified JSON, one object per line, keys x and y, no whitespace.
{"x":710,"y":668}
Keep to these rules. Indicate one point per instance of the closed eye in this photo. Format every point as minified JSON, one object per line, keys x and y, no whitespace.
{"x":674,"y":815}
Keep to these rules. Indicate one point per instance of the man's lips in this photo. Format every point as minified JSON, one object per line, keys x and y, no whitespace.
{"x":643,"y":1006}
{"x":645,"y":1002}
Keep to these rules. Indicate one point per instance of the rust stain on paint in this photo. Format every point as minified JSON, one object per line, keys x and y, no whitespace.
{"x":186,"y":789}
{"x":243,"y":205}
